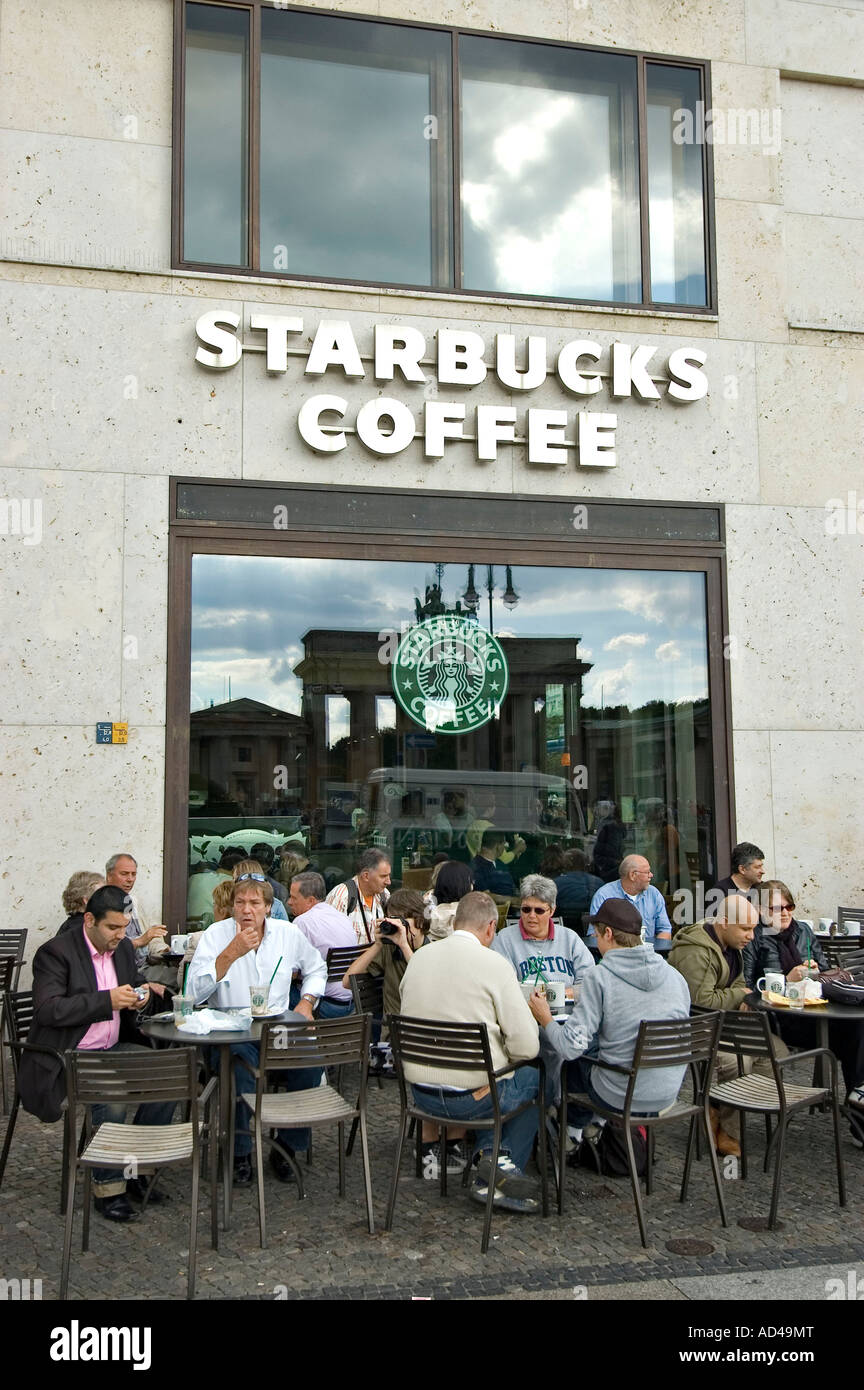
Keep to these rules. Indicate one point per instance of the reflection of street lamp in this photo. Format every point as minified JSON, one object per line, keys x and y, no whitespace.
{"x":471,"y":597}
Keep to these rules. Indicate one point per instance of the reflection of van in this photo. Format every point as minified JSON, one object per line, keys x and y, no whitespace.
{"x":431,"y":809}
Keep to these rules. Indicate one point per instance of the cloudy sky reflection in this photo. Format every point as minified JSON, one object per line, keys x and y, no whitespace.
{"x":644,"y":631}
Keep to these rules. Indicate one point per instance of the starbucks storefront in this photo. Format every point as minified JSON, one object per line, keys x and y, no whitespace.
{"x":550,"y":668}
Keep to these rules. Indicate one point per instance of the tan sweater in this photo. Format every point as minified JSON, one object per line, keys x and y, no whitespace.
{"x":458,"y":980}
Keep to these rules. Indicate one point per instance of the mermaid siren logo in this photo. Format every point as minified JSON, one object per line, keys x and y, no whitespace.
{"x":450,"y":674}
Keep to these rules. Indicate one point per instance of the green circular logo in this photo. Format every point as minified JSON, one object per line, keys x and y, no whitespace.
{"x":450,"y":674}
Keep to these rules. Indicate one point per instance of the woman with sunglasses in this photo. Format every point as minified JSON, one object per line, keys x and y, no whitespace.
{"x":788,"y":947}
{"x":537,"y":948}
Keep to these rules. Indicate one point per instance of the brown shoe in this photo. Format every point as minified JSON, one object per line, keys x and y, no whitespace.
{"x":723,"y":1142}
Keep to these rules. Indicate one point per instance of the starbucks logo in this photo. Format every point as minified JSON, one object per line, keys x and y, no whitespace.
{"x":450,"y":674}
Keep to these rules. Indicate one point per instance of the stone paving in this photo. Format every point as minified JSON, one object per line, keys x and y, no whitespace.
{"x":320,"y":1248}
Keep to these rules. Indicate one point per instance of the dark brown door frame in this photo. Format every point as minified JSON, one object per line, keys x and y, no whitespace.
{"x":190,"y":538}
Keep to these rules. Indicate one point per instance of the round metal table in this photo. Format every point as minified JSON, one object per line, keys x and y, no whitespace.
{"x":164,"y":1031}
{"x":822,"y":1015}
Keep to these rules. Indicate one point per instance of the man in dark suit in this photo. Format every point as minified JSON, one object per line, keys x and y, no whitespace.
{"x":84,"y":996}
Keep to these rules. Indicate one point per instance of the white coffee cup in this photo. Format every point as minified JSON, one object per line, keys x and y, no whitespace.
{"x":826,"y":923}
{"x":178,"y":945}
{"x":528,"y":987}
{"x":555,"y":995}
{"x":774,"y":980}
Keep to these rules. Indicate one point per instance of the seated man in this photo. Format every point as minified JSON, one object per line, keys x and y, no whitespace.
{"x":450,"y":981}
{"x":535,"y":947}
{"x":364,"y":897}
{"x":748,"y":863}
{"x":633,"y":885}
{"x":323,"y":927}
{"x":630,"y":984}
{"x":149,"y":943}
{"x":713,"y":957}
{"x":84,"y":997}
{"x":232,"y":956}
{"x":488,"y":869}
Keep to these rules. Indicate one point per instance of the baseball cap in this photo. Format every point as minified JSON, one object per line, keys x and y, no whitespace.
{"x":621,"y":916}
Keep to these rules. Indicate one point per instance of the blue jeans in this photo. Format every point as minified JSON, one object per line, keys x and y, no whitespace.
{"x":517,"y":1135}
{"x":335,"y":1008}
{"x":110,"y":1182}
{"x":579,"y":1079}
{"x":303,"y":1079}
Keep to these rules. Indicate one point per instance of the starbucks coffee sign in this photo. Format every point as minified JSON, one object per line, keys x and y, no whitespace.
{"x":449,"y":674}
{"x":387,"y":425}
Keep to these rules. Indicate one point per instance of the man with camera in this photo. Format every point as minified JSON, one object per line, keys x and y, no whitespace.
{"x":87,"y":991}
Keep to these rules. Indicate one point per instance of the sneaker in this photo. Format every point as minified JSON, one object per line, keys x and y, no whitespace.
{"x":513,"y":1191}
{"x":281,"y":1167}
{"x":457,"y":1156}
{"x":457,"y":1159}
{"x":856,"y":1097}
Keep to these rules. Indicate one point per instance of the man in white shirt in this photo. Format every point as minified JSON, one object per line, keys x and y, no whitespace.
{"x":246,"y":950}
{"x":457,"y":980}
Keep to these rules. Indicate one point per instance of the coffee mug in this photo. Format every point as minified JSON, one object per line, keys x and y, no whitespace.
{"x":528,"y":987}
{"x":774,"y":980}
{"x":825,"y":924}
{"x":555,"y":995}
{"x":178,"y":945}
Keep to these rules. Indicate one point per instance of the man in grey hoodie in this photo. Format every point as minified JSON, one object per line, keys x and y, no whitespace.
{"x":631,"y":983}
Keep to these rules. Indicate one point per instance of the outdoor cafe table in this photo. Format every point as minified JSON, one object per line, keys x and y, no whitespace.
{"x":164,"y":1031}
{"x":821,"y":1015}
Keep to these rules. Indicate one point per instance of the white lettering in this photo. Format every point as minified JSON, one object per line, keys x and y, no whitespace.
{"x":334,"y":346}
{"x":460,"y":358}
{"x":546,"y":442}
{"x":688,"y":382}
{"x":308,"y":423}
{"x":442,"y":420}
{"x":228,"y":348}
{"x":369,"y":425}
{"x":629,"y":369}
{"x":277,"y":327}
{"x":582,"y":383}
{"x":398,"y":347}
{"x":597,"y":440}
{"x":494,"y":424}
{"x":505,"y":362}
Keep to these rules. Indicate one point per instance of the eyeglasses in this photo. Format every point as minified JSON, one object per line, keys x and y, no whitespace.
{"x":784,"y":907}
{"x":256,"y":878}
{"x":537,"y":911}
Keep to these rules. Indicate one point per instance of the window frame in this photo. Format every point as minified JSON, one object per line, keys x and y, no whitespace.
{"x":189,"y":538}
{"x":456,"y":291}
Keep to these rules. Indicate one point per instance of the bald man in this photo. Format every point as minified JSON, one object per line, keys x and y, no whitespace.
{"x":633,"y":885}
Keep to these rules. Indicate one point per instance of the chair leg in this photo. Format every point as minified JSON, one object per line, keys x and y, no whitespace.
{"x":10,"y":1130}
{"x":442,"y":1145}
{"x":841,"y":1175}
{"x":743,"y":1115}
{"x":367,"y":1176}
{"x":542,"y":1156}
{"x":213,"y":1156}
{"x":769,"y":1138}
{"x":635,"y":1185}
{"x":562,"y":1143}
{"x":341,"y":1129}
{"x":650,"y":1147}
{"x":778,"y":1171}
{"x":193,"y":1226}
{"x":490,"y":1196}
{"x":692,"y":1135}
{"x":351,"y":1137}
{"x":715,"y":1172}
{"x":418,"y":1152}
{"x":400,"y":1144}
{"x":85,"y":1223}
{"x":258,"y":1140}
{"x":67,"y":1232}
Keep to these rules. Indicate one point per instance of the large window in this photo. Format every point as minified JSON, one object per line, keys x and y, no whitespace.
{"x":329,"y":148}
{"x":337,"y":682}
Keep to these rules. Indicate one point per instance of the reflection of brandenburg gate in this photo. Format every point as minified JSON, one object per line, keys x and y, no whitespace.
{"x":345,"y":663}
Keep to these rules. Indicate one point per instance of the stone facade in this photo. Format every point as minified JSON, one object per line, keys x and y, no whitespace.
{"x":102,"y":402}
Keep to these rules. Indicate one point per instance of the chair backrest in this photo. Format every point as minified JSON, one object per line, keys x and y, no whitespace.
{"x":12,"y":943}
{"x":18,"y":1013}
{"x":8,"y":968}
{"x":849,"y":917}
{"x":131,"y":1078}
{"x":427,"y":1042}
{"x":840,"y":949}
{"x":677,"y":1042}
{"x":339,"y":958}
{"x":746,"y":1034}
{"x":368,"y":994}
{"x":331,"y":1042}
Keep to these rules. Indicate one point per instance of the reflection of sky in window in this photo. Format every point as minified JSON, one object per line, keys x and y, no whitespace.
{"x":676,"y":215}
{"x":214,"y":166}
{"x":345,"y":169}
{"x":541,"y":200}
{"x":338,"y":718}
{"x":643,"y":631}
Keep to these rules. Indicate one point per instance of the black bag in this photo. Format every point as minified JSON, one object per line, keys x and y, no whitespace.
{"x":843,"y":986}
{"x":607,"y":1152}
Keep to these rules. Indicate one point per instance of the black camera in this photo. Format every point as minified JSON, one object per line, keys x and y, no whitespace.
{"x":389,"y":928}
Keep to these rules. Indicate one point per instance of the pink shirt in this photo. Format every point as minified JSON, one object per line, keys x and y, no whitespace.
{"x":106,"y":1033}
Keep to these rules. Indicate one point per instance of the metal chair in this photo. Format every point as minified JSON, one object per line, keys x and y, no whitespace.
{"x":127,"y":1078}
{"x":458,"y":1047}
{"x":335,"y":1042}
{"x":17,"y":1017}
{"x":12,"y":944}
{"x":368,"y":994}
{"x":9,"y":971}
{"x":339,"y":958}
{"x":749,"y":1035}
{"x":683,"y":1042}
{"x":844,"y":952}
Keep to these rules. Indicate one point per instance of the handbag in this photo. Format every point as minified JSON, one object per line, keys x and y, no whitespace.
{"x":843,"y":986}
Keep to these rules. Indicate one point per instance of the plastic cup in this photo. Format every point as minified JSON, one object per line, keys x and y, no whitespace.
{"x":259,"y":999}
{"x":182,"y":1005}
{"x":796,"y":992}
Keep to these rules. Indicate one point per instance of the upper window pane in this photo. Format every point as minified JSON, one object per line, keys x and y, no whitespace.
{"x":550,"y":189}
{"x":215,"y":155}
{"x":355,"y":180}
{"x":676,"y":211}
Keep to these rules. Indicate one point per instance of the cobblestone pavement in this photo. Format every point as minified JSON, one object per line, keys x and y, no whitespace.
{"x":320,"y":1248}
